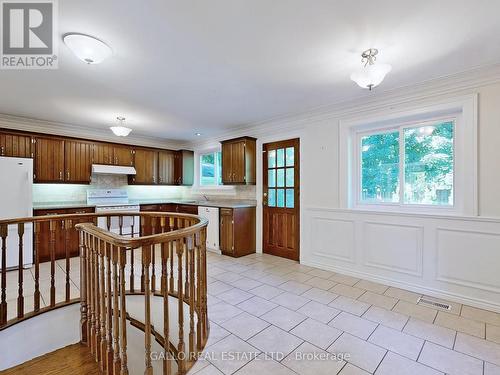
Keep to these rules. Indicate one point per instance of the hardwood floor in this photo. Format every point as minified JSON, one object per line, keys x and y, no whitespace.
{"x":74,"y":359}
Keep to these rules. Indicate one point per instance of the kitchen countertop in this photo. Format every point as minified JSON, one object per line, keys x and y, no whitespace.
{"x":226,"y":203}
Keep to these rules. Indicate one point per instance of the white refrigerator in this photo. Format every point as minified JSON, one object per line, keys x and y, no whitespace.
{"x":16,"y":200}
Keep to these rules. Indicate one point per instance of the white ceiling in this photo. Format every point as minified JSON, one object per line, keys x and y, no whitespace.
{"x":187,"y":66}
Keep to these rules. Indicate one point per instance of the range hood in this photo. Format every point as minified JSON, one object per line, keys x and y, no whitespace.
{"x":112,"y":169}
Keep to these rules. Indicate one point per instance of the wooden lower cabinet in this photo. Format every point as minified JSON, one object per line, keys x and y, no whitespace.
{"x":44,"y":245}
{"x":237,"y":231}
{"x":187,"y":209}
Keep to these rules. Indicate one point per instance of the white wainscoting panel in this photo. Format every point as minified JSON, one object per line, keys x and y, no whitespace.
{"x":456,"y":258}
{"x":384,"y":247}
{"x":469,"y":258}
{"x":324,"y":229}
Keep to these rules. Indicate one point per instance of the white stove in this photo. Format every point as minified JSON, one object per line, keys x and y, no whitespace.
{"x":115,"y":200}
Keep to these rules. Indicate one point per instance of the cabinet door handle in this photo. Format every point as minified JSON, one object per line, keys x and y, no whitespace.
{"x":67,"y":175}
{"x":2,"y":150}
{"x":60,"y":175}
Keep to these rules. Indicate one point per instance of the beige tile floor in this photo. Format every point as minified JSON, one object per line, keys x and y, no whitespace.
{"x":286,"y":318}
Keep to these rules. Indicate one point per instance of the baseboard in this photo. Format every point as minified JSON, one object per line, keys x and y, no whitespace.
{"x":454,"y":297}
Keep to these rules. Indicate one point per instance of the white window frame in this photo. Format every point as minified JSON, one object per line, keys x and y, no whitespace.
{"x":463,"y":110}
{"x":216,"y":166}
{"x":400,"y":128}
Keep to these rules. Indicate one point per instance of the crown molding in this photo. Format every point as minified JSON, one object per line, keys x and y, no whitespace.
{"x":466,"y":82}
{"x":70,"y":130}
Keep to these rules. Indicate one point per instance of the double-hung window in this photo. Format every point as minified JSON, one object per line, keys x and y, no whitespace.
{"x":210,"y":169}
{"x":407,"y":165}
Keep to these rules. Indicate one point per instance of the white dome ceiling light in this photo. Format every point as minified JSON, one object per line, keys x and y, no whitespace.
{"x":370,"y":75}
{"x":120,"y":130}
{"x":87,"y":48}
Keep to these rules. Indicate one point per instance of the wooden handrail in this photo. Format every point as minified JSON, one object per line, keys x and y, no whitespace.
{"x":175,"y":242}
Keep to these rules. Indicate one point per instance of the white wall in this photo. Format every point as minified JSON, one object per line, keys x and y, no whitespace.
{"x":441,"y":250}
{"x":39,"y":335}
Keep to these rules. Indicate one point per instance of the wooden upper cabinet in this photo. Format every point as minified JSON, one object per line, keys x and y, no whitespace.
{"x":184,"y":167}
{"x":77,"y":161}
{"x":166,"y":162}
{"x":103,"y":154}
{"x":239,"y":161}
{"x":123,"y":155}
{"x":226,"y":156}
{"x":146,"y":166}
{"x":49,"y":160}
{"x":16,"y":145}
{"x":110,"y":154}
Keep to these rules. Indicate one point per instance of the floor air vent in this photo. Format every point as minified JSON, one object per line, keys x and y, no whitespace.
{"x":424,"y":301}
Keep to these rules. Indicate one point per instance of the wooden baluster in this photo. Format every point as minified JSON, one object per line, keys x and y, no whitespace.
{"x":109,"y":312}
{"x":120,"y":224}
{"x":116,"y":313}
{"x":153,"y":270}
{"x":36,"y":296}
{"x":143,"y":231}
{"x":102,"y":300}
{"x":171,"y":249}
{"x":132,"y":276}
{"x":88,"y":288}
{"x":180,"y":303}
{"x":68,"y":226}
{"x":186,"y":267}
{"x":83,"y":287}
{"x":122,"y":257}
{"x":3,"y":303}
{"x":198,"y":292}
{"x":191,"y":296}
{"x":97,"y":300}
{"x":167,"y":365}
{"x":146,"y":262}
{"x":92,"y":294}
{"x":203,"y":274}
{"x":20,"y":296}
{"x":108,"y":223}
{"x":52,"y":227}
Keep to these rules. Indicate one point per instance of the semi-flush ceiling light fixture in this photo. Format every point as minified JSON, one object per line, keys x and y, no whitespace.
{"x":87,"y":48}
{"x":120,"y":130}
{"x":370,"y":75}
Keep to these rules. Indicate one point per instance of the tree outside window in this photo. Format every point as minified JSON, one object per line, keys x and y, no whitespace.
{"x":210,"y":169}
{"x":420,"y":158}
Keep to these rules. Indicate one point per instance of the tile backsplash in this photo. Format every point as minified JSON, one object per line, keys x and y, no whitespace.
{"x":78,"y":193}
{"x":43,"y":193}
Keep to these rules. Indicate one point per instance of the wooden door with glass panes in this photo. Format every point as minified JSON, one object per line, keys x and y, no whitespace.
{"x":281,"y":181}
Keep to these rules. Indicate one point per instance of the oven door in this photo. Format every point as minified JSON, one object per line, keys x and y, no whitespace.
{"x":129,"y":224}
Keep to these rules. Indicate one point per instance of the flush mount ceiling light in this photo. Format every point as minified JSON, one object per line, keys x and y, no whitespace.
{"x":370,"y":75}
{"x":120,"y":130}
{"x":197,"y":134}
{"x":87,"y":48}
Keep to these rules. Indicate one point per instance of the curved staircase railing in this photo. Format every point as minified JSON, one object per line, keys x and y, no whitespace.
{"x":166,"y":262}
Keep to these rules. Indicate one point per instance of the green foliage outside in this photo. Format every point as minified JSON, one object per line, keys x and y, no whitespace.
{"x":428,"y":165}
